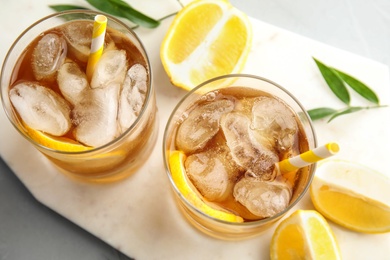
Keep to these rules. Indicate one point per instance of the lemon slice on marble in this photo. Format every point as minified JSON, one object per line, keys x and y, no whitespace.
{"x":176,"y":165}
{"x":305,"y":234}
{"x":352,"y":195}
{"x":207,"y":38}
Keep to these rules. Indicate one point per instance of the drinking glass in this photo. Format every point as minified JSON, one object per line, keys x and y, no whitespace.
{"x":249,"y":84}
{"x":112,"y":161}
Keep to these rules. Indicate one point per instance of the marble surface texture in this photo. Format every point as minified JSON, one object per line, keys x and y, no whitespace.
{"x":138,"y":216}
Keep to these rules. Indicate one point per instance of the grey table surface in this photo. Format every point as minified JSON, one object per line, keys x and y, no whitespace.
{"x":29,"y":230}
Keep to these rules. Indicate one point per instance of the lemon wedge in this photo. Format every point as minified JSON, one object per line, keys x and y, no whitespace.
{"x":54,"y":142}
{"x":207,"y":38}
{"x":353,"y":196}
{"x":305,"y":234}
{"x":179,"y":176}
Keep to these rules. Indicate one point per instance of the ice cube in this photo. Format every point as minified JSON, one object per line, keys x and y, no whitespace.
{"x":110,"y":69}
{"x":246,"y":150}
{"x":79,"y":37}
{"x":132,"y":96}
{"x":96,"y":116}
{"x":262,"y":198}
{"x":41,"y":108}
{"x":48,"y":56}
{"x":274,"y":119}
{"x":201,"y":125}
{"x":72,"y":82}
{"x":212,"y":173}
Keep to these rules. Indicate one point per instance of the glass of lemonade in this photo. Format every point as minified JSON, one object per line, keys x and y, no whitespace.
{"x":100,"y":128}
{"x":221,"y":145}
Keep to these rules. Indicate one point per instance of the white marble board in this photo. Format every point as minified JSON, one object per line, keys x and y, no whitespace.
{"x":138,"y":216}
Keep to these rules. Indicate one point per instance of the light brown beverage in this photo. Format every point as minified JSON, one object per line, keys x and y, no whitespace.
{"x":98,"y":129}
{"x":230,"y":136}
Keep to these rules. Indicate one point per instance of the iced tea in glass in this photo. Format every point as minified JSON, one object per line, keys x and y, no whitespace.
{"x":221,"y":145}
{"x":97,"y":129}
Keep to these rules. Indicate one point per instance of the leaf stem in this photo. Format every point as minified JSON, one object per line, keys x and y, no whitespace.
{"x":180,"y":3}
{"x":337,"y":81}
{"x":320,"y":113}
{"x":167,"y":16}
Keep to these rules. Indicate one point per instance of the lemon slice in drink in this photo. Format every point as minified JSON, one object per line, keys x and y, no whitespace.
{"x":352,"y":196}
{"x":207,"y":38}
{"x":305,"y":234}
{"x":56,"y":143}
{"x":179,"y":176}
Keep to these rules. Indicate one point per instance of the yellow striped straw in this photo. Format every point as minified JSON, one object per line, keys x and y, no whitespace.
{"x":307,"y":158}
{"x":98,"y":34}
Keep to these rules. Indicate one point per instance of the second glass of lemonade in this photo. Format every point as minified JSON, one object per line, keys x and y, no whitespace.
{"x":97,"y":128}
{"x":221,"y":147}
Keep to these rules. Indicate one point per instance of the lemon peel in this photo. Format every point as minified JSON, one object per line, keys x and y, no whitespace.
{"x":176,"y":159}
{"x":56,"y":143}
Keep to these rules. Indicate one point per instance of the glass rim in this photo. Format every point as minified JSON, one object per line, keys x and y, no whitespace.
{"x":148,"y":97}
{"x":245,"y":223}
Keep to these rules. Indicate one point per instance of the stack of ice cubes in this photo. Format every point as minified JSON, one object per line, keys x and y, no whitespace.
{"x":98,"y":111}
{"x":243,"y":162}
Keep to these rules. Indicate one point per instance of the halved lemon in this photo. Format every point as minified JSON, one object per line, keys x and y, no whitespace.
{"x":207,"y":38}
{"x":305,"y":234}
{"x":56,"y":143}
{"x":352,"y":195}
{"x":176,"y":165}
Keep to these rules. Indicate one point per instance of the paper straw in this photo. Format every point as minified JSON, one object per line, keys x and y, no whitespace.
{"x":98,"y":34}
{"x":307,"y":158}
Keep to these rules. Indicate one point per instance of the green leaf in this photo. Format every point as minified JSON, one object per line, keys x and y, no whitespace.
{"x":140,"y":19}
{"x":120,"y":3}
{"x":348,"y":110}
{"x":334,"y":82}
{"x":106,"y":7}
{"x":60,"y":8}
{"x":319,"y":113}
{"x":359,"y":87}
{"x":122,"y":9}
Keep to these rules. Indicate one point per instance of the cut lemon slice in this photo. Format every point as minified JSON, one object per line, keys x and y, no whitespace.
{"x":305,"y":234}
{"x":207,"y":38}
{"x":179,"y":176}
{"x":56,"y":143}
{"x":352,"y":196}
